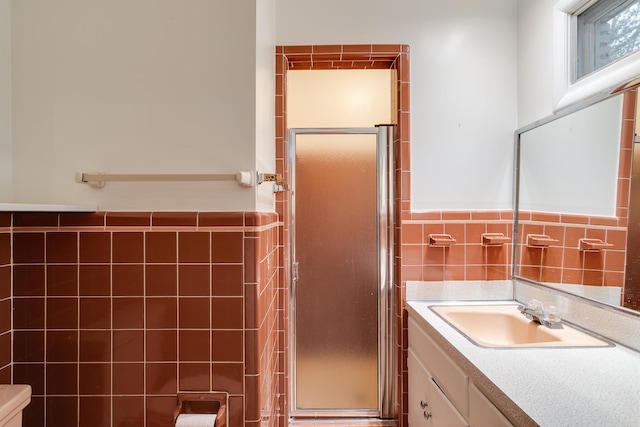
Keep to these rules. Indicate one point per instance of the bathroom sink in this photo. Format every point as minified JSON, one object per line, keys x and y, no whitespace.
{"x":503,"y":326}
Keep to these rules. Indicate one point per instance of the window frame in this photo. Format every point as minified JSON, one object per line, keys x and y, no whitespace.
{"x":566,"y":89}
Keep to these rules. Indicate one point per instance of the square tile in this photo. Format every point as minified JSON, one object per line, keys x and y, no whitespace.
{"x":61,"y":410}
{"x":28,"y":280}
{"x":161,"y":247}
{"x":62,"y":247}
{"x":94,"y":280}
{"x":62,"y":313}
{"x":30,"y":373}
{"x":161,"y":379}
{"x":194,"y":377}
{"x":226,"y":346}
{"x":28,"y":313}
{"x":194,"y":247}
{"x":62,"y":280}
{"x":95,"y":247}
{"x":128,"y":411}
{"x":5,"y":248}
{"x":62,"y":379}
{"x":95,"y":411}
{"x":227,"y":376}
{"x":128,"y":346}
{"x":94,"y":379}
{"x":128,"y":313}
{"x":128,"y":378}
{"x":227,"y":247}
{"x":161,"y":280}
{"x":194,"y":346}
{"x":161,"y":345}
{"x":33,"y":414}
{"x":62,"y":346}
{"x":28,"y":248}
{"x":159,"y":411}
{"x":128,"y":279}
{"x":95,"y":313}
{"x":194,"y":280}
{"x":227,"y":313}
{"x":161,"y":313}
{"x":95,"y":346}
{"x":28,"y":346}
{"x":227,"y":280}
{"x":128,"y":247}
{"x":194,"y":313}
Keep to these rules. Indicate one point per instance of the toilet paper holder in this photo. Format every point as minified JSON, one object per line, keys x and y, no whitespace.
{"x":204,"y":403}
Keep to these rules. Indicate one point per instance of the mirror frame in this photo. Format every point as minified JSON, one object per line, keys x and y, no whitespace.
{"x":631,"y":85}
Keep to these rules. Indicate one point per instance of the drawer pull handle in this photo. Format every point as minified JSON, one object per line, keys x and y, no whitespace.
{"x":423,"y":404}
{"x":427,"y":415}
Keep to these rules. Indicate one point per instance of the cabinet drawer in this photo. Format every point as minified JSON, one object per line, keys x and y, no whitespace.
{"x":443,"y":412}
{"x":482,"y":413}
{"x":418,"y":398}
{"x":428,"y":406}
{"x":451,"y":379}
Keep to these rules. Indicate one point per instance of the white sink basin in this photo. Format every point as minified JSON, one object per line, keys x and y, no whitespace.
{"x":505,"y":326}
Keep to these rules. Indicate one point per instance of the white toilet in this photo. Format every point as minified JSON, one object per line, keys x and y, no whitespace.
{"x":13,"y":399}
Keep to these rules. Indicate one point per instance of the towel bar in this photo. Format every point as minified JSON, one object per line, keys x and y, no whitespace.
{"x":245,"y":179}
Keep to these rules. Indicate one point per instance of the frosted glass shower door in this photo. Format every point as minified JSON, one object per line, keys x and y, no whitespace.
{"x":335,"y":250}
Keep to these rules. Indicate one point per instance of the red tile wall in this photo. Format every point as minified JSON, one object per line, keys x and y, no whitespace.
{"x":5,"y":298}
{"x":115,"y":313}
{"x":468,"y":258}
{"x":362,"y":56}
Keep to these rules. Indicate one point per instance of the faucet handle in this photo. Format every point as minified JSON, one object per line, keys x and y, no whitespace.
{"x":535,"y":305}
{"x":552,"y":313}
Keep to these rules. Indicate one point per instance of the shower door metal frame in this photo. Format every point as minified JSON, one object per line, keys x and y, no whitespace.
{"x":386,"y":297}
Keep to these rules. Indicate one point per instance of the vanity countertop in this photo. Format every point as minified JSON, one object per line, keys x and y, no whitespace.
{"x":597,"y":386}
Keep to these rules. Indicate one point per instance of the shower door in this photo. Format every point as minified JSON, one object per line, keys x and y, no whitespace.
{"x":341,"y":257}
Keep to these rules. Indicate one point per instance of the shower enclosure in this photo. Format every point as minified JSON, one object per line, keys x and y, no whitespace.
{"x":342,"y":323}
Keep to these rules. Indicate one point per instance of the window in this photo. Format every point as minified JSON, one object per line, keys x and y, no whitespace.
{"x":606,"y":57}
{"x":606,"y":32}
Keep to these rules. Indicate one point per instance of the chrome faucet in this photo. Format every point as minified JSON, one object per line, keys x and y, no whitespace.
{"x":536,"y":312}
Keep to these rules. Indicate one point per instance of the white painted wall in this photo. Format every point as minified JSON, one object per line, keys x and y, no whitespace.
{"x":144,"y":86}
{"x":139,"y":86}
{"x":5,"y":100}
{"x":535,"y":60}
{"x":265,"y":100}
{"x":463,"y":86}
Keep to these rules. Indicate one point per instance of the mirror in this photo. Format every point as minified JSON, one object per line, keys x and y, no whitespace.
{"x":575,"y":202}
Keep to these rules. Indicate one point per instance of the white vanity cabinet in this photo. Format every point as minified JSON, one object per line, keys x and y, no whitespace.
{"x":440,"y":393}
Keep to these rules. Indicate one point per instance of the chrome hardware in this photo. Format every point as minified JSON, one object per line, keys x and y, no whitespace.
{"x":536,"y":312}
{"x":423,"y":404}
{"x":427,"y":415}
{"x":268,"y":177}
{"x":294,"y":271}
{"x":279,"y":188}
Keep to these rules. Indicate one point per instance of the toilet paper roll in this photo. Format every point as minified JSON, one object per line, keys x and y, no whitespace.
{"x":196,"y":420}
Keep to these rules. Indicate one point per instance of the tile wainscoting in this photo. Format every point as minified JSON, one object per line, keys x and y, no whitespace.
{"x":115,"y":313}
